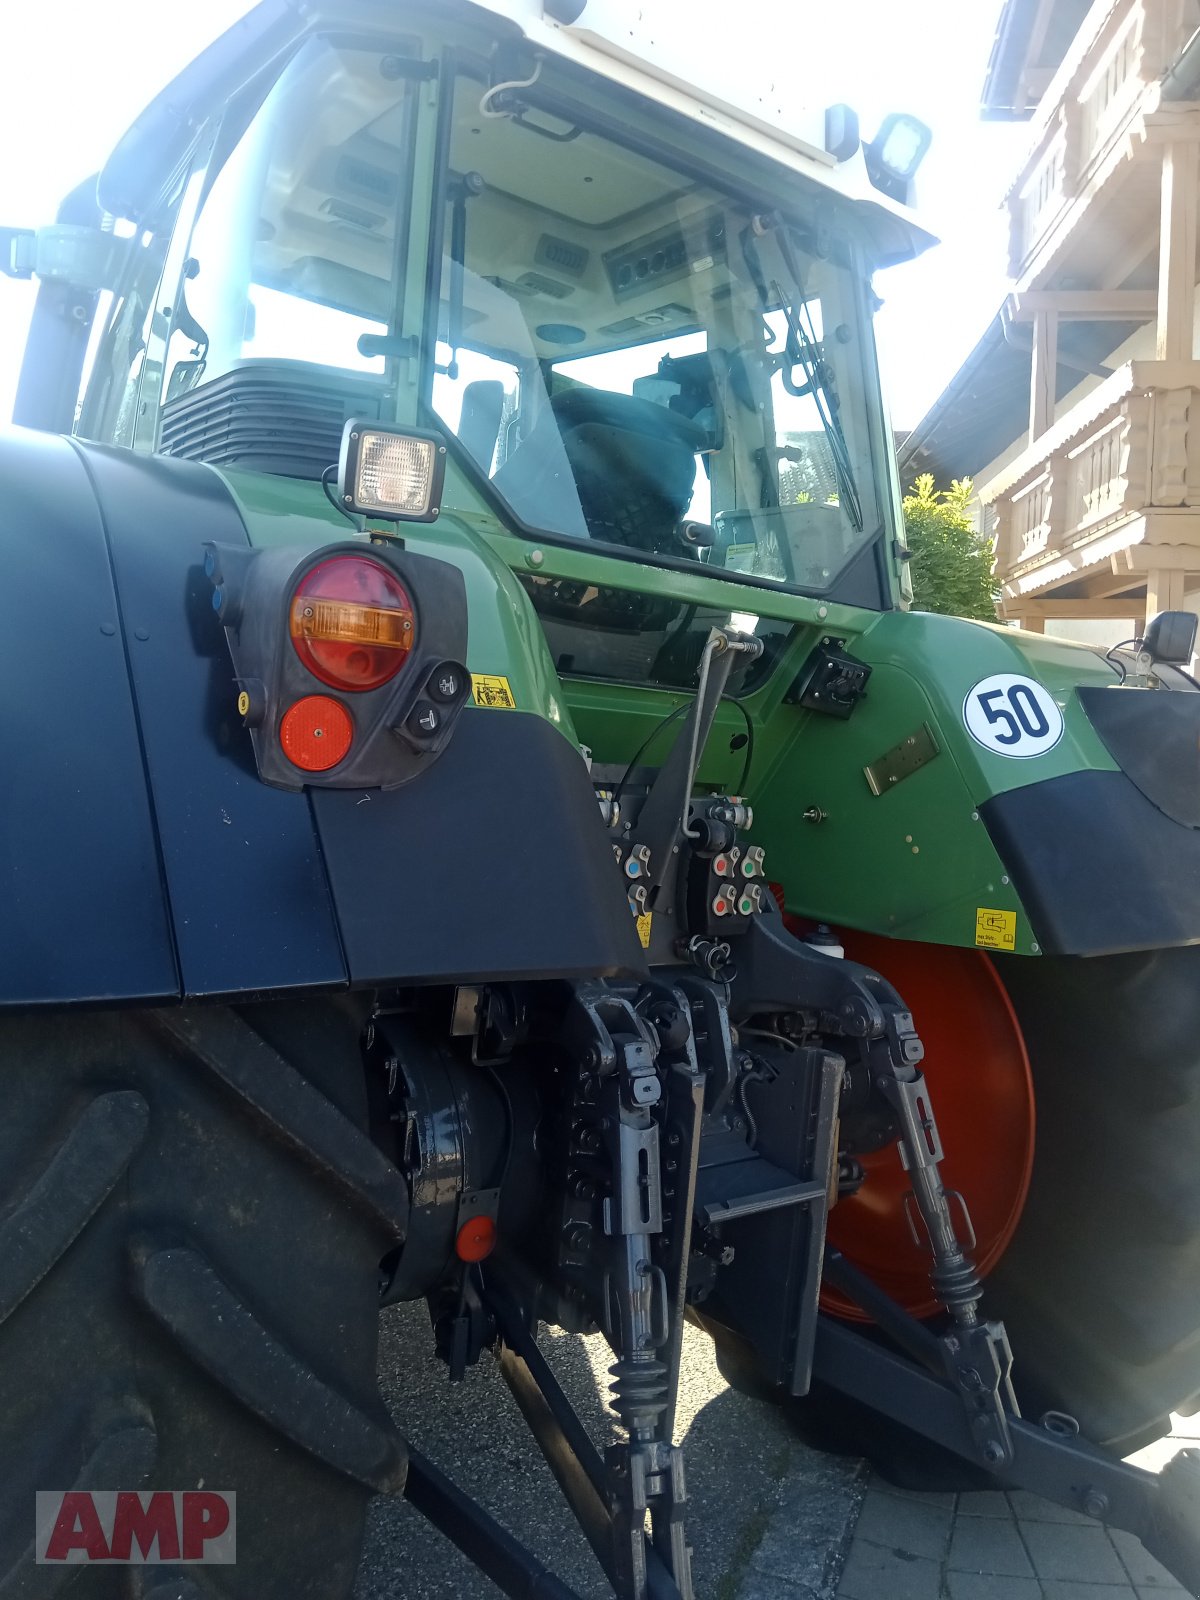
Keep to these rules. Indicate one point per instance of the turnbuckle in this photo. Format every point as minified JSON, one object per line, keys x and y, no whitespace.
{"x":977,"y":1355}
{"x":644,"y":1473}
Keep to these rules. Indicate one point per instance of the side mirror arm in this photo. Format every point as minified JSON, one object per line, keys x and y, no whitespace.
{"x":85,"y":257}
{"x":61,"y":325}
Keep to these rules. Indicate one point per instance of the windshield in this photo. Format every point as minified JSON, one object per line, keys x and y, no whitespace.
{"x":634,"y":358}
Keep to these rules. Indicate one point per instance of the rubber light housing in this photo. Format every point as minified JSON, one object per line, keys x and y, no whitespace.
{"x":352,"y":623}
{"x":896,"y":152}
{"x":392,"y":474}
{"x":316,"y":733}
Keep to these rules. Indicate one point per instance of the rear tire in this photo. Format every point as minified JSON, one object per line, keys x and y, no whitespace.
{"x":1100,"y":1286}
{"x":191,"y":1223}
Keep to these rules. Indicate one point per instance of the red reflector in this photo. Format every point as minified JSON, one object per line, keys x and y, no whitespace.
{"x":316,"y":733}
{"x":352,"y":623}
{"x":476,"y":1239}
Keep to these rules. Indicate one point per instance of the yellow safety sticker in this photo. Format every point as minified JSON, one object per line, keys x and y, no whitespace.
{"x":493,"y":693}
{"x":643,"y":928}
{"x":995,"y":930}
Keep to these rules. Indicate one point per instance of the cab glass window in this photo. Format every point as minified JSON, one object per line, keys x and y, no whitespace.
{"x":295,"y":256}
{"x":634,"y":358}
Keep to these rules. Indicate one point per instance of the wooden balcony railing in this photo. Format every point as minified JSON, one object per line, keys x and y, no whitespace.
{"x":1127,"y":452}
{"x":1112,"y":72}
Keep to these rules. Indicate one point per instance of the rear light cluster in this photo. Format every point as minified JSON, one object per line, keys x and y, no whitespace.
{"x":392,"y":685}
{"x":352,"y":623}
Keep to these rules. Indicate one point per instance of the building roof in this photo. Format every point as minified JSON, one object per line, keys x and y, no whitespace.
{"x":1032,"y":37}
{"x":985,"y":406}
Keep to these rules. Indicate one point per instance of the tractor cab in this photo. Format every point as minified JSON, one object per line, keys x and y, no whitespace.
{"x":637,"y":336}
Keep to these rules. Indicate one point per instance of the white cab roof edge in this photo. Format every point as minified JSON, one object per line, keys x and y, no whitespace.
{"x":638,"y":44}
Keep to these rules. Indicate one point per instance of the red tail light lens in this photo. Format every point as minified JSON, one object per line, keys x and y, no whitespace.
{"x":316,"y":733}
{"x":352,"y":623}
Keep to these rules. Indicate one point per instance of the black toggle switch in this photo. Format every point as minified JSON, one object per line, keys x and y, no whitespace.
{"x":424,"y":719}
{"x":446,"y":682}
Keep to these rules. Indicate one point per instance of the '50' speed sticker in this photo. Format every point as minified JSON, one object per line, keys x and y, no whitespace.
{"x":1012,"y":716}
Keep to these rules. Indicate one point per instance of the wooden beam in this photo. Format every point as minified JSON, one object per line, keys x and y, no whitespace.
{"x":1105,"y":585}
{"x":1043,"y":377}
{"x":1164,"y":591}
{"x":1086,"y":305}
{"x":1080,"y":610}
{"x":1134,"y":253}
{"x":1177,"y":252}
{"x":1142,"y":559}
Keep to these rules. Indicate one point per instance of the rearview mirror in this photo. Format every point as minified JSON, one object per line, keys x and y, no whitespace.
{"x":1171,"y":638}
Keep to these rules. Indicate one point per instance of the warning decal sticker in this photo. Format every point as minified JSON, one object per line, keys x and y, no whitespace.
{"x":995,"y":930}
{"x":493,"y":693}
{"x":643,"y":927}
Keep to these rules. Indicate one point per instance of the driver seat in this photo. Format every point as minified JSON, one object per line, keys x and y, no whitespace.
{"x":634,"y":465}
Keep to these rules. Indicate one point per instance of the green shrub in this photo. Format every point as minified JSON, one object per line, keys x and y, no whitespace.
{"x":951,"y":565}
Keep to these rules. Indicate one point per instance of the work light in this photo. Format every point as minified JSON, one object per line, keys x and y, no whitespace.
{"x":896,"y":152}
{"x":392,"y":473}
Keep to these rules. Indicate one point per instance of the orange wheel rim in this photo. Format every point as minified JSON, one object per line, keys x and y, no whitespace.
{"x":982,"y":1093}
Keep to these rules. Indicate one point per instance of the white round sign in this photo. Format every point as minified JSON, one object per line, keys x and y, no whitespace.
{"x":1012,"y":716}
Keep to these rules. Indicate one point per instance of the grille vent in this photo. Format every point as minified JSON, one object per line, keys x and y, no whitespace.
{"x":561,"y":253}
{"x":284,"y":417}
{"x":538,"y":283}
{"x":363,"y":176}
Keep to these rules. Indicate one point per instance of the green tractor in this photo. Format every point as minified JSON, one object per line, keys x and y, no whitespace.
{"x":483,"y":825}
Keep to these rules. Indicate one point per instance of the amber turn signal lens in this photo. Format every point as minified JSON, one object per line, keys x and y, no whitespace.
{"x":316,"y":733}
{"x":352,"y":623}
{"x":476,"y":1239}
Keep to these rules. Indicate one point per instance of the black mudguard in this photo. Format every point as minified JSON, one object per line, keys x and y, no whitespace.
{"x":142,"y":857}
{"x":1110,"y":861}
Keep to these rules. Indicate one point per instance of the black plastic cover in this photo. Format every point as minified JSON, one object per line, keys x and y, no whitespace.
{"x":243,"y":872}
{"x":85,"y":918}
{"x":142,"y":856}
{"x":1099,"y":868}
{"x":495,"y":864}
{"x":1154,"y":737}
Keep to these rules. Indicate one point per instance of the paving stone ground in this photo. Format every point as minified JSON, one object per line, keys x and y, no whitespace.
{"x":1000,"y":1546}
{"x":768,"y":1518}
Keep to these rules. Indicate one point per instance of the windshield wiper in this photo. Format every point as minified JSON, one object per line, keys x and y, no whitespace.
{"x":803,"y":349}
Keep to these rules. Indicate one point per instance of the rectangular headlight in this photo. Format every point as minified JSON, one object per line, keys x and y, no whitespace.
{"x":392,"y":473}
